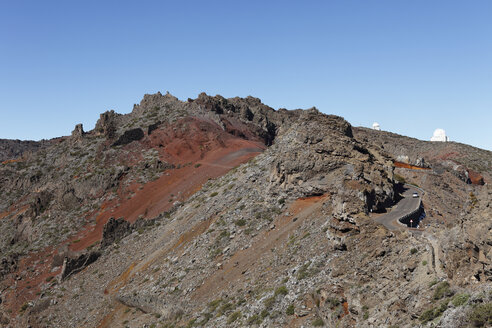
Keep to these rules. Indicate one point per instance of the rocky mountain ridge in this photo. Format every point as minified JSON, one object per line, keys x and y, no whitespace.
{"x":216,"y":212}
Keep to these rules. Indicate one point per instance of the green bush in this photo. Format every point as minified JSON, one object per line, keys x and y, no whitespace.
{"x":226,"y":308}
{"x":433,"y":282}
{"x":214,"y":304}
{"x":442,"y":290}
{"x":269,"y":302}
{"x":24,"y":307}
{"x":254,"y":320}
{"x":303,"y":271}
{"x":241,"y":222}
{"x":433,"y":313}
{"x":282,"y":290}
{"x":460,"y":299}
{"x":413,"y":251}
{"x":290,"y":310}
{"x":233,"y":317}
{"x":481,"y":315}
{"x":400,"y":179}
{"x":318,"y":322}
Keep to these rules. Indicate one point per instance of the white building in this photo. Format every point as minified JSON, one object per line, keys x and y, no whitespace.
{"x":440,"y":135}
{"x":376,"y":126}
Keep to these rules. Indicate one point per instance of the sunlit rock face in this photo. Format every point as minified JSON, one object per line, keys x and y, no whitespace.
{"x":439,"y":135}
{"x":376,"y":126}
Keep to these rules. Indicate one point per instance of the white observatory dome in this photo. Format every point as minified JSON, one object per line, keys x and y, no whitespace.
{"x":376,"y":126}
{"x":439,"y":135}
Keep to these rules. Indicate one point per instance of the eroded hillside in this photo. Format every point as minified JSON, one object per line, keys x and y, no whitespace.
{"x":222,"y":212}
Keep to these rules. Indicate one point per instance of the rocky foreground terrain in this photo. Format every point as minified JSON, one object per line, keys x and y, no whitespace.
{"x":219,"y":212}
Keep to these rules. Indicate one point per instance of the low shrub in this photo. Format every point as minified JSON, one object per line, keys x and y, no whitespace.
{"x":234,"y":316}
{"x":442,"y":290}
{"x":481,"y":315}
{"x":282,"y":290}
{"x":433,"y":313}
{"x":399,"y":178}
{"x":254,"y":320}
{"x":460,"y":299}
{"x":318,"y":322}
{"x":290,"y":310}
{"x":241,"y":222}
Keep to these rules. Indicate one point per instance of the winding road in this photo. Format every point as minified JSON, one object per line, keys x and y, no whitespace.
{"x":405,"y":206}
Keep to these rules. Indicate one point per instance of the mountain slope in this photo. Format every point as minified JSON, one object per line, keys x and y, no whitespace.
{"x":233,"y":214}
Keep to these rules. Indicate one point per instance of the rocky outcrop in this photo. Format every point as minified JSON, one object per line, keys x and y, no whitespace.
{"x":73,"y":265}
{"x":115,"y":230}
{"x":107,"y":124}
{"x":40,"y":202}
{"x":129,"y":136}
{"x":323,"y":156}
{"x":8,"y":264}
{"x":153,"y":127}
{"x":78,"y":132}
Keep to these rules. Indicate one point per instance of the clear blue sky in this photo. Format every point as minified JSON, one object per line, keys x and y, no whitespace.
{"x":412,"y":66}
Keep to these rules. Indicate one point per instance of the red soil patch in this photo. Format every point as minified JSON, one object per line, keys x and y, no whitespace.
{"x":11,"y":161}
{"x":118,"y":311}
{"x":121,"y":281}
{"x":408,"y":166}
{"x":32,"y":271}
{"x":188,"y":142}
{"x":14,"y":210}
{"x":201,"y":149}
{"x":449,"y":155}
{"x":476,"y":178}
{"x":4,"y":214}
{"x":345,"y":308}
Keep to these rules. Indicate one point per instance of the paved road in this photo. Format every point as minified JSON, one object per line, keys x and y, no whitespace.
{"x":405,"y":206}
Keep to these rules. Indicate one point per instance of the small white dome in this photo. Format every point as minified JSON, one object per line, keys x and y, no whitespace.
{"x":439,"y":135}
{"x":376,"y":126}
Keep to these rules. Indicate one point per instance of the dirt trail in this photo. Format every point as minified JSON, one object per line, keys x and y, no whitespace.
{"x":237,"y":266}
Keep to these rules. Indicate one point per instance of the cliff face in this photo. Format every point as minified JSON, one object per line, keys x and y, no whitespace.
{"x":224,"y":212}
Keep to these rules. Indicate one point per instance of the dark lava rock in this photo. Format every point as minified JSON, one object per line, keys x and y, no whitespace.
{"x":106,"y":125}
{"x":77,"y":264}
{"x":153,"y":127}
{"x":8,"y":264}
{"x":78,"y":132}
{"x":115,"y":230}
{"x":129,"y":136}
